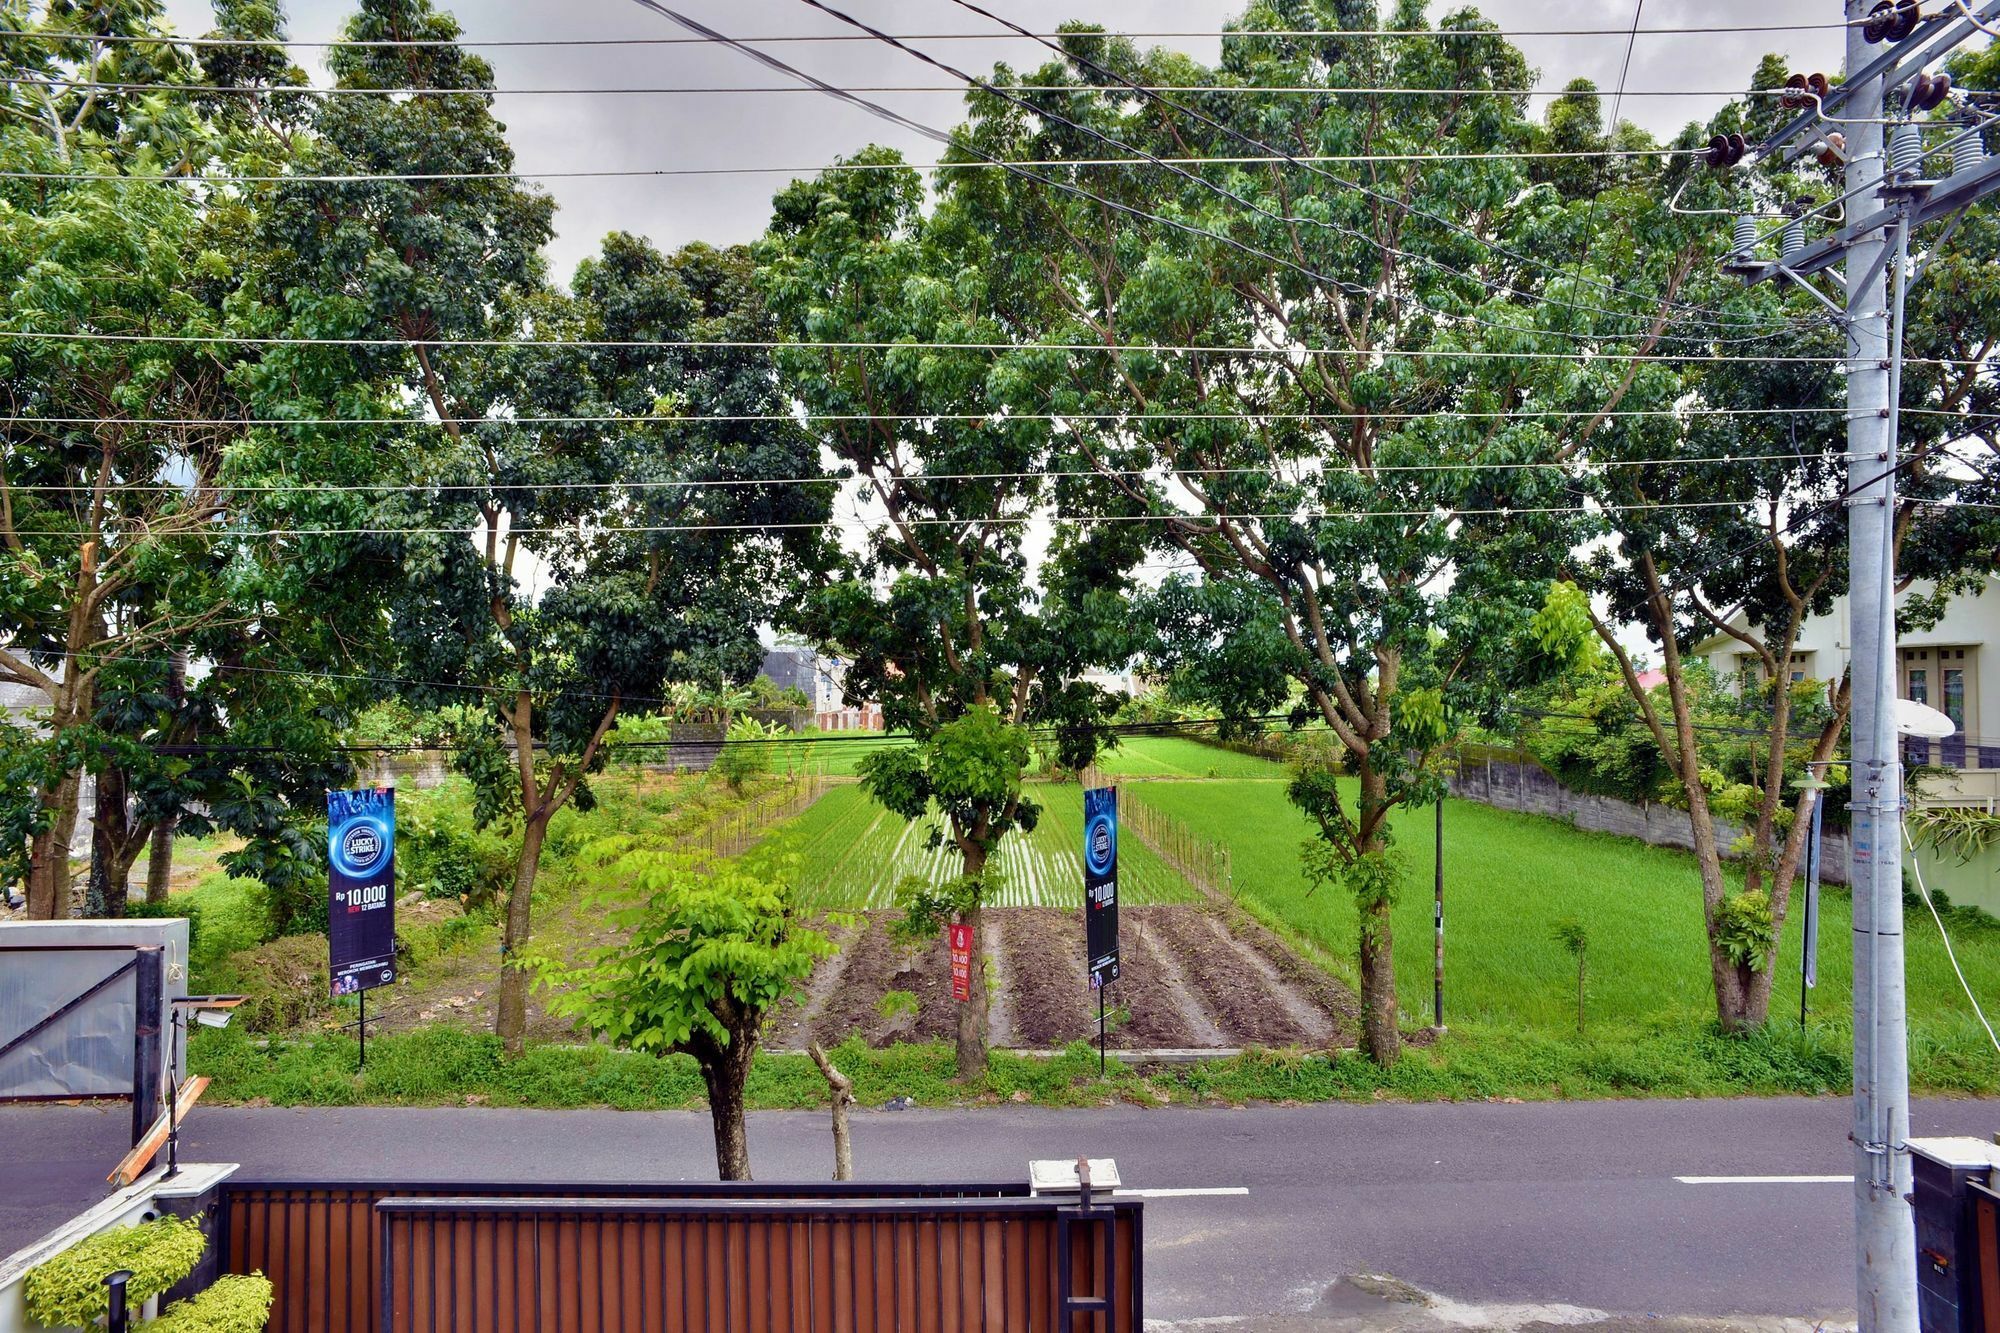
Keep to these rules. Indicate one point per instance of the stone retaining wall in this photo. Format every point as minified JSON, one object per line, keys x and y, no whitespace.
{"x":1515,"y":784}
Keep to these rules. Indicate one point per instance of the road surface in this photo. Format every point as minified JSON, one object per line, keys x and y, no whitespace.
{"x":1578,"y":1203}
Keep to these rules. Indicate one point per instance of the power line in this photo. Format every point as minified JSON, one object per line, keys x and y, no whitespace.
{"x":598,"y":90}
{"x":1434,"y":513}
{"x":1253,"y":142}
{"x":994,"y":418}
{"x":352,"y":178}
{"x":835,"y":38}
{"x":911,"y":479}
{"x":1143,"y":349}
{"x":1249,"y":141}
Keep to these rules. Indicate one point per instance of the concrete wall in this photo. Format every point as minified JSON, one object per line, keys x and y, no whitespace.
{"x":142,"y":1201}
{"x":1509,"y":784}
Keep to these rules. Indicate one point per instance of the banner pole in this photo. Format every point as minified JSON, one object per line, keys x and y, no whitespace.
{"x":1100,"y":1032}
{"x":363,"y":1065}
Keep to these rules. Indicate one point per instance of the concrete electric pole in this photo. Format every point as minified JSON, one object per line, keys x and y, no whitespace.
{"x":1884,"y":1230}
{"x":1895,"y":182}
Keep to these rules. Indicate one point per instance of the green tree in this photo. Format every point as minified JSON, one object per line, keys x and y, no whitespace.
{"x":608,"y":556}
{"x":1357,"y":560}
{"x":943,"y":607}
{"x":1729,"y":537}
{"x":710,"y":952}
{"x":128,"y":545}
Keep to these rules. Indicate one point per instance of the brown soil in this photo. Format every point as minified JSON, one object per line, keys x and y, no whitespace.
{"x":876,"y":965}
{"x":790,"y":1026}
{"x":1249,"y":1001}
{"x":1159,"y":1007}
{"x":1050,"y":1002}
{"x":1321,"y":991}
{"x":1189,"y":977}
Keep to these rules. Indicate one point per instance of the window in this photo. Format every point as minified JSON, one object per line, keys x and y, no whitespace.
{"x":1954,"y":696}
{"x":1920,"y":686}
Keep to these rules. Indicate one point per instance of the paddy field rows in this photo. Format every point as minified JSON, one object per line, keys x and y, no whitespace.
{"x":853,"y":853}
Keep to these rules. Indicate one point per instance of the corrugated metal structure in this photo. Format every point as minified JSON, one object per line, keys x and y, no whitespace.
{"x":84,"y":1010}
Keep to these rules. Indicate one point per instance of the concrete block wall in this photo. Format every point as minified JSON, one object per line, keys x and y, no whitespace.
{"x":1515,"y":784}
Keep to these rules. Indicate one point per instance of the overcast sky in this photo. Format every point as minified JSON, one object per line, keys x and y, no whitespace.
{"x":798,"y":131}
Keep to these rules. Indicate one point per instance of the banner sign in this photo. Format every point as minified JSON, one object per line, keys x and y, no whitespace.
{"x":361,"y":888}
{"x":961,"y":962}
{"x":1100,"y":884}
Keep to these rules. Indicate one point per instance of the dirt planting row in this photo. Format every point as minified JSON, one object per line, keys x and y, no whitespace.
{"x":1190,"y":977}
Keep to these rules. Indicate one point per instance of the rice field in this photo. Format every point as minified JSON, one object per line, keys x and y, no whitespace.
{"x":853,"y":853}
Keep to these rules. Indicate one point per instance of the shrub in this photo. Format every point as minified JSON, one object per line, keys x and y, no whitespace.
{"x":286,"y":982}
{"x":179,"y":905}
{"x":238,"y":1304}
{"x":747,"y":752}
{"x":441,"y":853}
{"x":68,"y":1290}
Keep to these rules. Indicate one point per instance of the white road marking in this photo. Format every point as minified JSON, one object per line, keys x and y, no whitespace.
{"x":1765,"y":1180}
{"x":1181,"y":1193}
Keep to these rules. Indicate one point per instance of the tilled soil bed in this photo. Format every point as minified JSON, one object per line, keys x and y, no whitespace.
{"x":1190,"y":977}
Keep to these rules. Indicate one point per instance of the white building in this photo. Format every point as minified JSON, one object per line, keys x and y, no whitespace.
{"x":1942,"y":666}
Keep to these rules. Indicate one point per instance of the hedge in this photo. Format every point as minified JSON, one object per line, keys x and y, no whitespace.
{"x":68,"y":1290}
{"x":240,"y":1304}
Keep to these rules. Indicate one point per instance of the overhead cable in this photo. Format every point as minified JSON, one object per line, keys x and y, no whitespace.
{"x":129,"y":39}
{"x":1287,"y":218}
{"x":910,"y":479}
{"x":1130,"y":349}
{"x":1248,"y":141}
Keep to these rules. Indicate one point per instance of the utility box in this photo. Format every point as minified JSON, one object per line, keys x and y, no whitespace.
{"x":1956,"y":1286}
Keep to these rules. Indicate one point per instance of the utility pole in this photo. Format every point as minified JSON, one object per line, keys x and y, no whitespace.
{"x":1895,"y":183}
{"x":1884,"y":1228}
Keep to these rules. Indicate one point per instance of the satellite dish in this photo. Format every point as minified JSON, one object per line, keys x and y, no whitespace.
{"x":1915,"y":719}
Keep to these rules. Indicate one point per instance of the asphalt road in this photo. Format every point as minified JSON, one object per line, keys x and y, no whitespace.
{"x":1572,"y":1203}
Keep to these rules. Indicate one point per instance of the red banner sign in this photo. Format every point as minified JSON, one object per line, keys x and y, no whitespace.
{"x":961,"y":962}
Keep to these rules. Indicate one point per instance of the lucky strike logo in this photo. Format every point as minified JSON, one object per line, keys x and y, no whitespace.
{"x":1102,"y":839}
{"x":360,"y":847}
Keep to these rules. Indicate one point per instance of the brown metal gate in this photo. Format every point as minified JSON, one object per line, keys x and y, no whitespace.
{"x":321,"y":1242}
{"x":751,"y":1265}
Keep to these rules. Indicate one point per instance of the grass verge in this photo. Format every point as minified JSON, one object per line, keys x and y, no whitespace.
{"x":444,"y":1066}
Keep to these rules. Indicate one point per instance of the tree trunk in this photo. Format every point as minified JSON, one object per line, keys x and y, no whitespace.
{"x":160,"y":862}
{"x":48,"y":869}
{"x":725,"y":1070}
{"x":108,"y":833}
{"x":511,"y":1022}
{"x":1734,"y":1008}
{"x":972,"y":1030}
{"x":1381,"y":1034}
{"x":840,"y":1094}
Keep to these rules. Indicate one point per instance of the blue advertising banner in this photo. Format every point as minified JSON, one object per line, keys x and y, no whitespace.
{"x":361,"y":888}
{"x":1100,"y":884}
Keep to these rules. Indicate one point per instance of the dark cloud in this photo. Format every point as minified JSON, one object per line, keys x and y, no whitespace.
{"x":804,"y":130}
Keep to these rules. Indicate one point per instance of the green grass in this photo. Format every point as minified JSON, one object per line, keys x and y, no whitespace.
{"x":1177,"y":757}
{"x":1509,"y":878}
{"x":230,"y":917}
{"x":443,"y":1066}
{"x":853,"y":853}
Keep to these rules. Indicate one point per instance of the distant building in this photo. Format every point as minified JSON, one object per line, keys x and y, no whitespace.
{"x":1123,"y":680}
{"x":824,"y":681}
{"x":18,"y":704}
{"x":1942,"y":666}
{"x":792,"y":667}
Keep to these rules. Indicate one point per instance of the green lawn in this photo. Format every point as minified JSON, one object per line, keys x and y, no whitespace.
{"x":1176,"y":757}
{"x":1509,"y":878}
{"x":854,"y":853}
